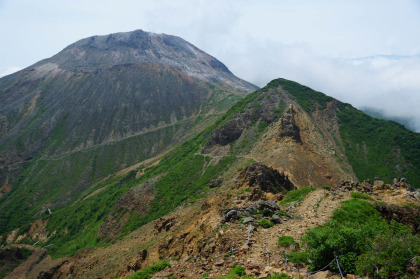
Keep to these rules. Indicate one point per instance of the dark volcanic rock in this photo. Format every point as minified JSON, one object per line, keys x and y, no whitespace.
{"x":215,"y":183}
{"x":288,"y":125}
{"x":227,"y":134}
{"x":267,"y":179}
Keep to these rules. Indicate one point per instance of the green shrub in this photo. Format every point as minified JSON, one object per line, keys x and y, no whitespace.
{"x":279,"y":276}
{"x":357,"y":195}
{"x":265,"y":224}
{"x":299,"y":258}
{"x":362,"y":240}
{"x":146,"y":273}
{"x":356,"y":212}
{"x":295,"y":195}
{"x":236,"y":272}
{"x":286,"y":241}
{"x":390,"y":253}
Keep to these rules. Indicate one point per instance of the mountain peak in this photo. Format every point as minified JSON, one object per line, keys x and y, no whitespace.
{"x":140,"y":47}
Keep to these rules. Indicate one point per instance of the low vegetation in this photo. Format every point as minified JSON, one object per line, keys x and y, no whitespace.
{"x":265,"y":224}
{"x":239,"y":272}
{"x":363,"y":242}
{"x":299,"y":258}
{"x":296,"y":195}
{"x":146,"y":273}
{"x":357,"y":195}
{"x":286,"y":241}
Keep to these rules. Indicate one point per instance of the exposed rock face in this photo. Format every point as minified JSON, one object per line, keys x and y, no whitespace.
{"x":288,"y":125}
{"x":266,"y":179}
{"x":9,"y":258}
{"x":227,"y":133}
{"x":409,"y":216}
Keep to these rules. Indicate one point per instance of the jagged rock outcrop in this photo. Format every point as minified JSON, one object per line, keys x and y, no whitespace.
{"x":289,"y":128}
{"x":267,"y":179}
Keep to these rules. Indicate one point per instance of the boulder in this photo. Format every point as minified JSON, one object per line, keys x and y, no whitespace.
{"x":251,"y":210}
{"x":275,"y":219}
{"x":266,"y":179}
{"x":273,"y":205}
{"x":219,"y":262}
{"x":248,"y":220}
{"x":267,"y":206}
{"x":215,"y":183}
{"x":231,"y":215}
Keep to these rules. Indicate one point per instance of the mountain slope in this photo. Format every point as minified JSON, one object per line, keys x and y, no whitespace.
{"x":182,"y":205}
{"x":100,"y":105}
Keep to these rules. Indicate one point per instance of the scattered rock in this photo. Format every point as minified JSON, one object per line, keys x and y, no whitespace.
{"x":215,"y":183}
{"x":275,"y":219}
{"x":252,"y":265}
{"x":248,"y":220}
{"x":251,"y":210}
{"x":378,"y":184}
{"x":219,"y":262}
{"x":232,"y":214}
{"x":322,"y":275}
{"x":269,"y":206}
{"x":165,"y":224}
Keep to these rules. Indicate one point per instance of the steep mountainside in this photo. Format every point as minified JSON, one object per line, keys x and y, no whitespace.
{"x":98,"y":106}
{"x":226,"y":195}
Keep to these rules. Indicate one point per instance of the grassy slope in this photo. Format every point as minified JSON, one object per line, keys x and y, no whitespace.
{"x":374,"y":147}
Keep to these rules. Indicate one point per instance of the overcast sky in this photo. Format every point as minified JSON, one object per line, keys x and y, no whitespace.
{"x":366,"y":53}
